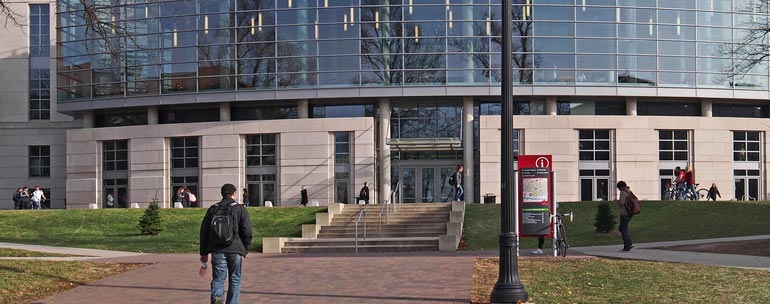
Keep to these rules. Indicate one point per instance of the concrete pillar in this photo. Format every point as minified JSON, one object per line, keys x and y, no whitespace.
{"x":152,"y":115}
{"x":631,"y":106}
{"x":707,"y":108}
{"x":224,"y":111}
{"x":384,"y":159}
{"x":88,"y":119}
{"x":551,"y":105}
{"x":468,"y":160}
{"x":303,"y":108}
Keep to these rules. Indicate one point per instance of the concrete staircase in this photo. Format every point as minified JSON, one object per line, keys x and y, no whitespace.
{"x":414,"y":227}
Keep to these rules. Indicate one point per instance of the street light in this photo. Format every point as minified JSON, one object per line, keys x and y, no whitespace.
{"x":508,"y":288}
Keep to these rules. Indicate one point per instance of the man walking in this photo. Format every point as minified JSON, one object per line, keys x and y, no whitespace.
{"x":17,"y":199}
{"x":458,"y":177}
{"x":37,"y":197}
{"x":225,"y":234}
{"x":364,"y":193}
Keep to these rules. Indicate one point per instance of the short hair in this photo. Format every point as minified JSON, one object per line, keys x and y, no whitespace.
{"x":622,"y":185}
{"x":228,"y":190}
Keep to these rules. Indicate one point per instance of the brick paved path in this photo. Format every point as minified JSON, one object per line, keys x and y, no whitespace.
{"x":364,"y":278}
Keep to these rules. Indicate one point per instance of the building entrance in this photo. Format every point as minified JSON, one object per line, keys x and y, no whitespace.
{"x":118,"y":189}
{"x":746,"y":188}
{"x":261,"y":188}
{"x":425,"y":183}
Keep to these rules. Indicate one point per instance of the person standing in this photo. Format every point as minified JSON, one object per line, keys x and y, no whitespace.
{"x":689,"y":177}
{"x":226,"y":258}
{"x":458,"y":177}
{"x":303,"y":197}
{"x":245,"y":196}
{"x":37,"y":198}
{"x":24,"y":202}
{"x":191,"y":198}
{"x":181,"y":197}
{"x":110,"y":200}
{"x":364,"y":193}
{"x":17,"y":199}
{"x":625,"y":218}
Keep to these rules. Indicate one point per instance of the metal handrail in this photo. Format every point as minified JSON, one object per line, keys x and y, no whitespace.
{"x":359,"y":215}
{"x":384,"y":210}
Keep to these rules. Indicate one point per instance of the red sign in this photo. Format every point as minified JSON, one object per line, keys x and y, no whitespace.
{"x":535,"y":195}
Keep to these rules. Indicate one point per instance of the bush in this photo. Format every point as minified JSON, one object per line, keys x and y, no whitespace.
{"x":605,"y":218}
{"x":150,"y":222}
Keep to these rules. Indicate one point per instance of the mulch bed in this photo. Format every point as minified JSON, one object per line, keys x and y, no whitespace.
{"x":754,"y":248}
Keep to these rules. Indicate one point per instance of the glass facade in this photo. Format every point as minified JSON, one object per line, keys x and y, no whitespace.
{"x":184,"y":46}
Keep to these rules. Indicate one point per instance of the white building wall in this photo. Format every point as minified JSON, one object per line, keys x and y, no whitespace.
{"x":305,"y":158}
{"x":636,"y":149}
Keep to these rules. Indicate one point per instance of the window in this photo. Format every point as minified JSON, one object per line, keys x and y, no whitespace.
{"x":741,"y":110}
{"x":673,"y":145}
{"x":594,"y":144}
{"x":327,"y":111}
{"x":426,"y":121}
{"x":184,"y":152}
{"x":39,"y":94}
{"x":115,"y":155}
{"x":746,"y":146}
{"x":254,"y":112}
{"x":342,"y":148}
{"x":39,"y":30}
{"x":668,"y":109}
{"x":39,"y":161}
{"x":174,"y":114}
{"x":120,"y":119}
{"x":260,"y":150}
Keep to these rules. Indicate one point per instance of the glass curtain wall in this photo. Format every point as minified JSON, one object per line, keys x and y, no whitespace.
{"x":178,"y":46}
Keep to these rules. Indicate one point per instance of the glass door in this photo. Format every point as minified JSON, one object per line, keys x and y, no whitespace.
{"x":747,"y":188}
{"x":409,"y":185}
{"x":446,"y":190}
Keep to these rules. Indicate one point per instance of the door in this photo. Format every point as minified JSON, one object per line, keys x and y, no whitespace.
{"x":423,"y":185}
{"x":594,"y":189}
{"x":747,"y":188}
{"x":261,"y":189}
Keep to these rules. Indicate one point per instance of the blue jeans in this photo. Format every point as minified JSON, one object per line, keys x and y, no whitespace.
{"x":223,"y":264}
{"x":624,"y":219}
{"x":458,"y":192}
{"x":36,"y":205}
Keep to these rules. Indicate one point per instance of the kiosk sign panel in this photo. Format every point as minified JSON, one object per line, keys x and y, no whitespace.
{"x":535,"y":195}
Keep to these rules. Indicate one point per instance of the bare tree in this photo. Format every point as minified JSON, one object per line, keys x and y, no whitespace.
{"x":9,"y":15}
{"x":749,"y":48}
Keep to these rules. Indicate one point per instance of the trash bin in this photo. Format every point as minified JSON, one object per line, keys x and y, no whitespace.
{"x":490,"y":198}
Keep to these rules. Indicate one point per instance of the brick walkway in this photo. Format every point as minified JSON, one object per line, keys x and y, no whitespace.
{"x":364,"y":278}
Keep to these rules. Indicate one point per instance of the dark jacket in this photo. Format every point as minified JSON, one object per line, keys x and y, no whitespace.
{"x":303,"y":197}
{"x":241,"y":220}
{"x":364,"y":193}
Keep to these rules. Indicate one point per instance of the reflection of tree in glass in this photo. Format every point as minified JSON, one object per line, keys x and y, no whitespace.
{"x":749,"y":47}
{"x":380,"y":52}
{"x":254,"y":46}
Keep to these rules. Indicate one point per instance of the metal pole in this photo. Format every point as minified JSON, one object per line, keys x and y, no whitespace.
{"x":508,"y":288}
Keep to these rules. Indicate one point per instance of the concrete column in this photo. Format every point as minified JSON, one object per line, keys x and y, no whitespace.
{"x":384,"y":159}
{"x":152,"y":115}
{"x":303,"y":108}
{"x":468,"y":160}
{"x":224,"y":111}
{"x":550,"y":105}
{"x":707,"y":108}
{"x":88,"y":119}
{"x":631,"y":106}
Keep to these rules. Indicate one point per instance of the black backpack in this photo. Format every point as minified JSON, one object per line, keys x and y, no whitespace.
{"x":452,"y":180}
{"x":222,"y":232}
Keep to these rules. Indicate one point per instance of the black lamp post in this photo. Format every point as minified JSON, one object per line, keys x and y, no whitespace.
{"x":508,"y":288}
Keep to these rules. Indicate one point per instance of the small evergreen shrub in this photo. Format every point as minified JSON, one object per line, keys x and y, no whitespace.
{"x":150,"y":223}
{"x":605,"y":218}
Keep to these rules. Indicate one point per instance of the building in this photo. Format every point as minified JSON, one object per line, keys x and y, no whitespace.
{"x":32,"y":132}
{"x":279,"y":94}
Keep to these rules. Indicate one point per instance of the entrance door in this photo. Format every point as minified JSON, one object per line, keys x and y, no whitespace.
{"x":747,"y":188}
{"x":594,"y":189}
{"x":185,"y":182}
{"x":119,"y":190}
{"x":261,"y":188}
{"x":422,"y":184}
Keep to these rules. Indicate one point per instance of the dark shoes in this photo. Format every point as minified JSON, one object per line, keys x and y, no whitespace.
{"x":629,"y":248}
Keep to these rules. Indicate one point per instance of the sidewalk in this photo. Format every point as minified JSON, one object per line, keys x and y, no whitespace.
{"x":646,"y":251}
{"x":81,"y":254}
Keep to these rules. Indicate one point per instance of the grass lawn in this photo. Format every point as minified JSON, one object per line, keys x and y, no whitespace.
{"x":25,"y":281}
{"x":18,"y":253}
{"x":623,"y":281}
{"x":659,"y":221}
{"x":115,"y":229}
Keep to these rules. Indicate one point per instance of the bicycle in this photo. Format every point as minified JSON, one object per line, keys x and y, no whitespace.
{"x":560,"y":234}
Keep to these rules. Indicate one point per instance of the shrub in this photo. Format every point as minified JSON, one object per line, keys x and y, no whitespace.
{"x":150,"y":223}
{"x":605,"y":218}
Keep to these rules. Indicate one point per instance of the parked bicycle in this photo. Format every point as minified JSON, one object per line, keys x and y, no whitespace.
{"x":560,"y":234}
{"x":675,"y":193}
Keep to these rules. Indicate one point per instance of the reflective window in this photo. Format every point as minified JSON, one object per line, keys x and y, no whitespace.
{"x":426,"y":120}
{"x":39,"y":94}
{"x":741,"y":110}
{"x":673,"y":145}
{"x":668,"y":108}
{"x":747,"y":145}
{"x":120,"y":118}
{"x":39,"y":30}
{"x":261,"y":150}
{"x":115,"y":155}
{"x":594,"y":144}
{"x":258,"y":112}
{"x":39,"y":161}
{"x":184,"y":152}
{"x":185,"y":114}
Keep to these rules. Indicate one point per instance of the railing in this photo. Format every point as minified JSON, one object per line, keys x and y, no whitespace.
{"x":361,"y":214}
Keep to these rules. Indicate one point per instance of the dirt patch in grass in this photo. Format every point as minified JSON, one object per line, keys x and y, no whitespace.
{"x":26,"y":281}
{"x":754,"y":248}
{"x":18,"y":253}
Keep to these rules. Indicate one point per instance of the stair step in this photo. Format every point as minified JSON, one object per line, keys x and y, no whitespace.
{"x":390,"y":227}
{"x":384,"y":234}
{"x":361,"y":242}
{"x":370,"y":248}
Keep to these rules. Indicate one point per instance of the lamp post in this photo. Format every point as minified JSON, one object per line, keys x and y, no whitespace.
{"x":508,"y":288}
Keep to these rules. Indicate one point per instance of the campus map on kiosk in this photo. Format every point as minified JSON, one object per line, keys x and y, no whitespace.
{"x":535,"y":190}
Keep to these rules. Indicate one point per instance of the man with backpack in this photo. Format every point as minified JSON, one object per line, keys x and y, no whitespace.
{"x":626,"y":198}
{"x":226,"y":234}
{"x":456,"y":180}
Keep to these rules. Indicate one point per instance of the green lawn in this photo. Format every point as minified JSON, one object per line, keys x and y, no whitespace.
{"x":625,"y":281}
{"x":16,"y":253}
{"x":659,"y":221}
{"x":115,"y":229}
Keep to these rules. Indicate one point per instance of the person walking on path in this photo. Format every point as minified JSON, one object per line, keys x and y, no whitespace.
{"x":458,"y":177}
{"x":713,"y":192}
{"x":303,"y":197}
{"x":364,"y":193}
{"x":37,"y":198}
{"x":24,"y":202}
{"x":227,"y":246}
{"x":625,"y":218}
